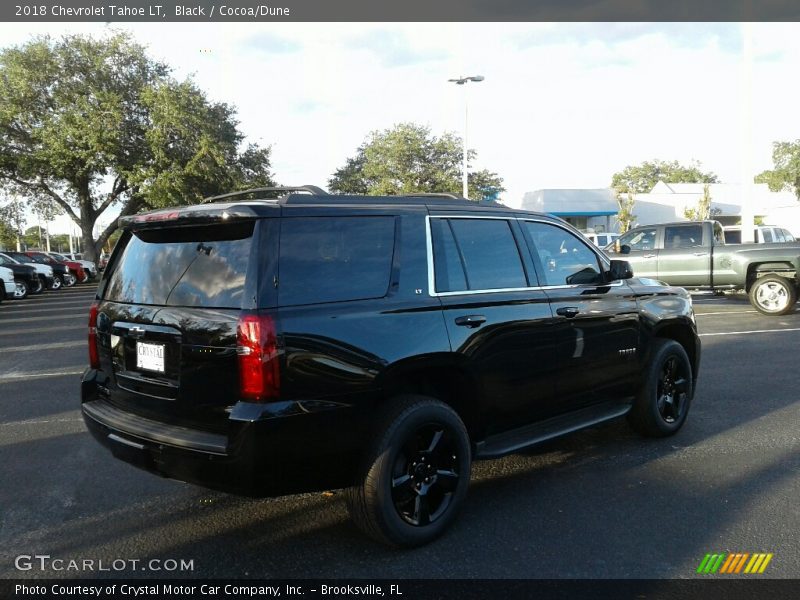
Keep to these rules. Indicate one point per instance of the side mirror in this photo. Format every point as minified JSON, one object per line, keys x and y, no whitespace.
{"x":624,"y":249}
{"x":620,"y":269}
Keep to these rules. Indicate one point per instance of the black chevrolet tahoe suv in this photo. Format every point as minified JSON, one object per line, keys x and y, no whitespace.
{"x":267,"y":346}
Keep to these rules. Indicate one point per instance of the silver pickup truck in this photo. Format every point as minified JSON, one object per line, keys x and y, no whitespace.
{"x":693,"y":255}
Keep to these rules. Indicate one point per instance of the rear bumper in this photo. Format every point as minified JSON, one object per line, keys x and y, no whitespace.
{"x":270,"y":449}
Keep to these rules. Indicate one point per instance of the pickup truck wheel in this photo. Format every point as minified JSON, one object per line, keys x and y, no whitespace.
{"x":661,"y":406}
{"x":415,"y":474}
{"x":57,"y":282}
{"x":22,"y":290}
{"x":773,"y":295}
{"x":40,"y":285}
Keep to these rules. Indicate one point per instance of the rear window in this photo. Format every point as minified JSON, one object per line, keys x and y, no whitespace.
{"x":733,"y":237}
{"x":197,"y":266}
{"x":334,"y":259}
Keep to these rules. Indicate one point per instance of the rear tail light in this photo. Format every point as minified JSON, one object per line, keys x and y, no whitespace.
{"x":94,"y":357}
{"x":257,"y":348}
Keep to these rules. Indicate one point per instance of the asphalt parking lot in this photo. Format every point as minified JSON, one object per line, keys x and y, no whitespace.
{"x":600,"y":503}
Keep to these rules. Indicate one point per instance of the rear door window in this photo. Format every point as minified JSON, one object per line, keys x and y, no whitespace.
{"x":733,"y":237}
{"x":683,"y":236}
{"x":334,"y":259}
{"x":767,"y":233}
{"x":478,"y":254}
{"x":194,"y":266}
{"x":447,"y":265}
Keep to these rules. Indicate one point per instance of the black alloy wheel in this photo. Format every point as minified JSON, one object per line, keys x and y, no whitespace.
{"x":415,"y":472}
{"x":662,"y":404}
{"x":425,"y":475}
{"x":671,"y":392}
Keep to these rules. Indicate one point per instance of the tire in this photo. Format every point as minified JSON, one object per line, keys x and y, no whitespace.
{"x":663,"y":402}
{"x":69,"y":280}
{"x":415,"y":473}
{"x":85,"y":277}
{"x":40,"y":285}
{"x":22,"y":291}
{"x":773,"y":295}
{"x":58,"y":282}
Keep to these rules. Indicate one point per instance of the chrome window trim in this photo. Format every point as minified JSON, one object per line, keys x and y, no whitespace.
{"x":539,"y":288}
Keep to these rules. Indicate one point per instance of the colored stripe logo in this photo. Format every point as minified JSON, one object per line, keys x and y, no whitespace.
{"x":733,"y":563}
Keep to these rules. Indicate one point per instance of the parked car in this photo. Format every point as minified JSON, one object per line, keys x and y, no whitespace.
{"x":601,"y":239}
{"x":88,"y":266}
{"x":694,"y":255}
{"x":66,"y":273}
{"x":310,"y":341}
{"x":25,"y":278}
{"x":762,"y":234}
{"x":8,"y":286}
{"x":44,"y":272}
{"x":103,"y":261}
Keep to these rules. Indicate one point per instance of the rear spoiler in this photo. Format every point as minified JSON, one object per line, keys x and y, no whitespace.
{"x":200,"y":214}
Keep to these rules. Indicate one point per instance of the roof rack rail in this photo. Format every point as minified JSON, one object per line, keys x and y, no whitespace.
{"x":434,"y":195}
{"x":311,"y":189}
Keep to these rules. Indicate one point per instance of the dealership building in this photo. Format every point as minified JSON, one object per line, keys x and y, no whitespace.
{"x":597,"y":208}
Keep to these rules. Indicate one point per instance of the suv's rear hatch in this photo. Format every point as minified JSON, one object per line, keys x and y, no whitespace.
{"x":167,"y":320}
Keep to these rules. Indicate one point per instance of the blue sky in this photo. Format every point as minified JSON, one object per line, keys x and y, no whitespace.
{"x":562,"y":105}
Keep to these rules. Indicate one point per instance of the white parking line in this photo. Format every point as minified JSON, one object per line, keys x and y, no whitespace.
{"x":42,"y":302}
{"x":40,"y":422}
{"x":52,"y":346}
{"x":752,"y":331}
{"x":62,"y":309}
{"x":41,"y":374}
{"x":726,"y":312}
{"x":41,"y":329}
{"x":42,"y":318}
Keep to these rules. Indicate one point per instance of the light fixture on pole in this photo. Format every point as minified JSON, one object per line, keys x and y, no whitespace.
{"x":463,"y":81}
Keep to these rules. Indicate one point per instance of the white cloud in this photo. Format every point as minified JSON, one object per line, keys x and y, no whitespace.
{"x":563,"y":105}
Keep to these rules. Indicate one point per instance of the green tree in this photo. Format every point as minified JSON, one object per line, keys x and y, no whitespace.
{"x":408,"y":159}
{"x":89,"y":123}
{"x":60,"y":242}
{"x":786,"y":173}
{"x":12,"y":214}
{"x":8,"y":237}
{"x":33,"y":237}
{"x":640,"y":179}
{"x":703,"y":210}
{"x":625,"y":216}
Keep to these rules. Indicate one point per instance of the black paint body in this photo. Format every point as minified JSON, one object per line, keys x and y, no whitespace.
{"x":339,"y":361}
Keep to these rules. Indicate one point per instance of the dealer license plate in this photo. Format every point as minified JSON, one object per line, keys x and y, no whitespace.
{"x":150,"y":357}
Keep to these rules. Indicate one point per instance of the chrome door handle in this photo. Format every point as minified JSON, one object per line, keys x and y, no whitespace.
{"x":701,"y":253}
{"x":649,"y":256}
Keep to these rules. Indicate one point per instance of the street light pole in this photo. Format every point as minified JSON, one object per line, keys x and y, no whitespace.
{"x":464,"y":174}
